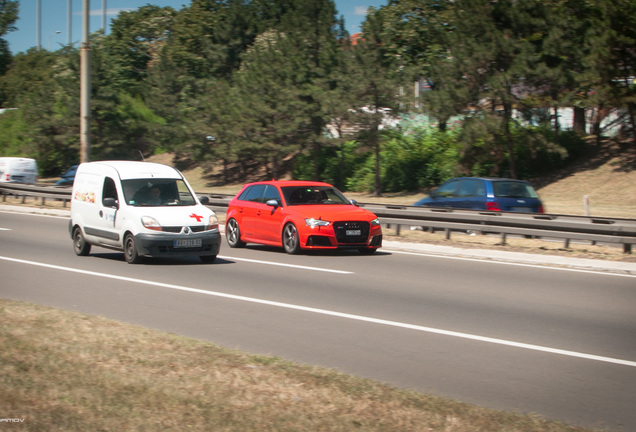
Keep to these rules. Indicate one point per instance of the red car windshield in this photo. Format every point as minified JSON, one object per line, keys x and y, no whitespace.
{"x":311,"y":195}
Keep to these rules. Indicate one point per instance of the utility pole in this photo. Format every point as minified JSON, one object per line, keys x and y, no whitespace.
{"x":69,"y":23}
{"x":85,"y":86}
{"x":38,"y":25}
{"x":104,"y":17}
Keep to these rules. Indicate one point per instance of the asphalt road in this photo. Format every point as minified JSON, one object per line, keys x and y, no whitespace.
{"x":557,"y":342}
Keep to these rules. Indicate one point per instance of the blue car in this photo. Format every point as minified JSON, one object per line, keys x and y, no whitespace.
{"x":68,"y":177}
{"x":491,"y":194}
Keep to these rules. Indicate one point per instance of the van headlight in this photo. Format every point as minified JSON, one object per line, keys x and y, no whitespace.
{"x":311,"y":222}
{"x":213,"y":222}
{"x":150,"y":223}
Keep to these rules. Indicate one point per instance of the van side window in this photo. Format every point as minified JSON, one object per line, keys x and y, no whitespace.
{"x":110,"y":190}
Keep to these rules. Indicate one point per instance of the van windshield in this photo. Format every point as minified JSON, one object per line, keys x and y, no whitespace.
{"x":157,"y":192}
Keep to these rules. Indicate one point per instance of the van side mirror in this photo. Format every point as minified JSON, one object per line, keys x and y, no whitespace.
{"x":205,"y":200}
{"x":110,"y":202}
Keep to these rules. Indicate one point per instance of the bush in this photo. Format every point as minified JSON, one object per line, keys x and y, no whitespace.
{"x":411,"y":161}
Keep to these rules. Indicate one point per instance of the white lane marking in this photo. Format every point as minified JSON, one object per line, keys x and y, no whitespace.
{"x":35,"y":214}
{"x":286,"y":265}
{"x":5,"y":229}
{"x":481,"y":260}
{"x":498,"y":261}
{"x":339,"y":314}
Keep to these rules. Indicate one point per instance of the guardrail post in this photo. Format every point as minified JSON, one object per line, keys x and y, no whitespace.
{"x":448,"y":233}
{"x":504,"y":238}
{"x":627,"y":248}
{"x":566,"y":243}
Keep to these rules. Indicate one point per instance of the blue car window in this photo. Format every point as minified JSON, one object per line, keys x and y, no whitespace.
{"x":469,"y":188}
{"x":512,"y":189}
{"x":447,"y":190}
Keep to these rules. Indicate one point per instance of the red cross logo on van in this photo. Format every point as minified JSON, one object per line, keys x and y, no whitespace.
{"x":197,"y":217}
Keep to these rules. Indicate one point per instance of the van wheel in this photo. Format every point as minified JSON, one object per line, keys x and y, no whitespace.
{"x":82,"y":248}
{"x":130,"y":250}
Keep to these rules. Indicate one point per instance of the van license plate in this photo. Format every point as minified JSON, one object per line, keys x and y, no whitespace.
{"x":187,"y":243}
{"x":354,"y":232}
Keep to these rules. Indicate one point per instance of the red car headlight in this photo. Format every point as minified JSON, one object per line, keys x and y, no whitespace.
{"x":312,"y":223}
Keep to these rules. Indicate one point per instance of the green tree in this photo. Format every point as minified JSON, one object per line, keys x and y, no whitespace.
{"x":313,"y":29}
{"x":8,"y":17}
{"x":44,"y":87}
{"x":610,"y":56}
{"x":415,"y":32}
{"x":133,"y":47}
{"x":276,"y":118}
{"x":378,"y":75}
{"x":555,"y":76}
{"x":209,"y":36}
{"x":494,"y":47}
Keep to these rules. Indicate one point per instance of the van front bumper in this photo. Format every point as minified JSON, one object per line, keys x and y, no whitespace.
{"x":165,"y":245}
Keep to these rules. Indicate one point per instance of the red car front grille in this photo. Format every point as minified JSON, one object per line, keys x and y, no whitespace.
{"x":352,"y":231}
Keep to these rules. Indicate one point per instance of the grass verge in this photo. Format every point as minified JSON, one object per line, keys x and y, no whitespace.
{"x":65,"y":371}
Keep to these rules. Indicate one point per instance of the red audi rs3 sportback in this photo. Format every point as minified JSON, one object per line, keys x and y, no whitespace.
{"x":300,"y":215}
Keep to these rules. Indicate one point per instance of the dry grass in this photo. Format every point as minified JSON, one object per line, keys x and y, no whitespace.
{"x":64,"y":371}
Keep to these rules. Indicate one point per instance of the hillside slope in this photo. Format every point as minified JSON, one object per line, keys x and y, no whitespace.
{"x":607,"y":176}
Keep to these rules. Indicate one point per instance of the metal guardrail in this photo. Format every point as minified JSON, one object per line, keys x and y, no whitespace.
{"x":592,"y":229}
{"x":566,"y":227}
{"x":60,"y":193}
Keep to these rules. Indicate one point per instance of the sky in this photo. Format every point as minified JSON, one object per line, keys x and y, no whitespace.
{"x":55,"y":32}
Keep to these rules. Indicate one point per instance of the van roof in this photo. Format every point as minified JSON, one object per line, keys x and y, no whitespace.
{"x":135,"y":170}
{"x":11,"y":158}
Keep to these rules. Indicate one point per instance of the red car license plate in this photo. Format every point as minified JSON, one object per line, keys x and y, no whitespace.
{"x":354,"y":232}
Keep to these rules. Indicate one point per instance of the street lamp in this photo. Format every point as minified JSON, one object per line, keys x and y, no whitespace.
{"x":51,"y":39}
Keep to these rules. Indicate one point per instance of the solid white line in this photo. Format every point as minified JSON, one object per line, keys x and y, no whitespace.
{"x":285,"y":265}
{"x":26,"y":213}
{"x":339,"y":314}
{"x":499,"y":261}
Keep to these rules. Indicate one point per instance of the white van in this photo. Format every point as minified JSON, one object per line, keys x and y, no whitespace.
{"x":18,"y":170}
{"x":143,"y":209}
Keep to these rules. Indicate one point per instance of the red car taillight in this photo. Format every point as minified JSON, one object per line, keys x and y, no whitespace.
{"x":492,"y":206}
